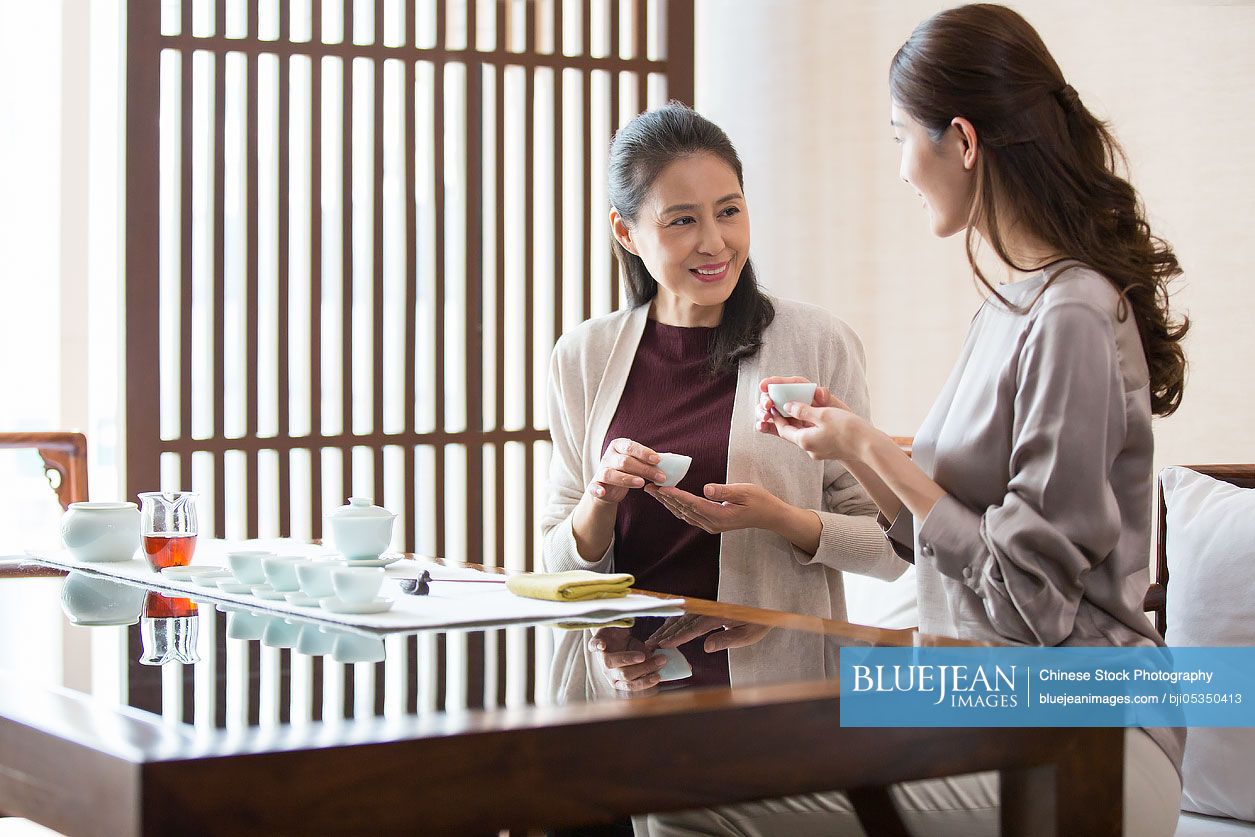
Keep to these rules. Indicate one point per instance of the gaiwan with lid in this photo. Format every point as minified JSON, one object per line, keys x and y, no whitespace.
{"x":361,"y":530}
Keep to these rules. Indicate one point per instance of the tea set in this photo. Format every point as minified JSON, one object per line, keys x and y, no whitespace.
{"x":348,"y":583}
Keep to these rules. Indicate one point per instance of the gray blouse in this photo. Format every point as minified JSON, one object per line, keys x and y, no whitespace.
{"x":1042,"y":439}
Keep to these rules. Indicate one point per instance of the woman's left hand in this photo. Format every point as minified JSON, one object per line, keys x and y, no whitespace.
{"x":725,"y":508}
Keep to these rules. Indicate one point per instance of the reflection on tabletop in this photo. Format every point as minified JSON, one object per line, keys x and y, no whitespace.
{"x":208,"y":662}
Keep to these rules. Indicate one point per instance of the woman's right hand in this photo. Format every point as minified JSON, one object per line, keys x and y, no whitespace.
{"x":624,"y":466}
{"x":628,"y":664}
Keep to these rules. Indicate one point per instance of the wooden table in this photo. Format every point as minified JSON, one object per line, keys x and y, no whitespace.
{"x":77,"y":765}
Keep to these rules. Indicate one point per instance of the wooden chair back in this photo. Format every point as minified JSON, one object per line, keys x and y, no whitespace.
{"x":64,"y":454}
{"x":1242,"y":476}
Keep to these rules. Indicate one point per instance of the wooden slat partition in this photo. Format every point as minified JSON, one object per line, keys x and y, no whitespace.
{"x":482,"y":286}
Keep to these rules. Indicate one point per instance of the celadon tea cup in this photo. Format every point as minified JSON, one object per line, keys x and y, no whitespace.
{"x":280,"y":633}
{"x":357,"y":585}
{"x":314,"y":641}
{"x":782,"y":394}
{"x":95,"y":532}
{"x":355,"y":648}
{"x":315,"y":578}
{"x":281,"y":572}
{"x":360,"y":529}
{"x":246,"y":565}
{"x":675,"y":466}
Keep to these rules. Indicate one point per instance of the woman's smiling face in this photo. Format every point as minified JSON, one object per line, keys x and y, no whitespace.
{"x":692,"y":231}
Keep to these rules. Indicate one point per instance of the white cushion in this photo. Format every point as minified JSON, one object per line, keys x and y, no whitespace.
{"x":1211,"y":587}
{"x":881,"y":604}
{"x":1196,"y":825}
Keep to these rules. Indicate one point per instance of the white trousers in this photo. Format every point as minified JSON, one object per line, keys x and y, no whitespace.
{"x":963,"y":806}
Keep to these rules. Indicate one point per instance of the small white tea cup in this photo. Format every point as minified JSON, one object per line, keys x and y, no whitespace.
{"x":315,"y":579}
{"x":246,"y":565}
{"x":244,"y":625}
{"x":280,"y":633}
{"x":314,"y":641}
{"x":355,"y":648}
{"x":675,"y":466}
{"x":782,"y":394}
{"x":281,"y":572}
{"x":357,"y":585}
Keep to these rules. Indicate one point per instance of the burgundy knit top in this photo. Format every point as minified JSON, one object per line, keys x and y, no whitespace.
{"x":671,"y":403}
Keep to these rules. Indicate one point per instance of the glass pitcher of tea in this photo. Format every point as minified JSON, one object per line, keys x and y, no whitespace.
{"x":168,"y":525}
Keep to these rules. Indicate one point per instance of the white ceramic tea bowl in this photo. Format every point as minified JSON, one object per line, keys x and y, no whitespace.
{"x":355,"y":648}
{"x":357,"y":585}
{"x":280,"y":633}
{"x":101,"y":531}
{"x":242,"y":624}
{"x":782,"y":394}
{"x":246,"y":565}
{"x":314,"y":641}
{"x":675,"y":466}
{"x":281,"y":572}
{"x":315,"y":578}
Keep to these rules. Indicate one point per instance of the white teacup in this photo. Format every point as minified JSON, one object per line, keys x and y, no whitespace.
{"x":357,"y":585}
{"x":314,"y":641}
{"x":782,"y":394}
{"x":280,"y":633}
{"x":246,"y":565}
{"x":281,"y":572}
{"x":101,"y":531}
{"x":244,"y":625}
{"x":675,"y":466}
{"x":315,"y":578}
{"x":355,"y":648}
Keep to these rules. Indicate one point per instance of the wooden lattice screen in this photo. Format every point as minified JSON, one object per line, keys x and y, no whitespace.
{"x":354,"y":229}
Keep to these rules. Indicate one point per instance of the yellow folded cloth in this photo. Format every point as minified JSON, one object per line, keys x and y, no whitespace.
{"x":570,"y":586}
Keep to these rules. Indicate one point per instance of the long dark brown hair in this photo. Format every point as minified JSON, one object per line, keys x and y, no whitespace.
{"x":639,"y":152}
{"x":1046,"y":162}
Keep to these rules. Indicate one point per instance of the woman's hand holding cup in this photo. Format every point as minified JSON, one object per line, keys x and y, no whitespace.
{"x":824,"y":429}
{"x":768,"y":412}
{"x":625,"y":465}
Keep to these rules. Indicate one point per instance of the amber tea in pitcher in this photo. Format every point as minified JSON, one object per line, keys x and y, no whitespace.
{"x":168,"y":524}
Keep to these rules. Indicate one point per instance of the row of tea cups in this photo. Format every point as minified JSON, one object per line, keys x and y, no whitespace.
{"x":305,"y":638}
{"x":300,"y":581}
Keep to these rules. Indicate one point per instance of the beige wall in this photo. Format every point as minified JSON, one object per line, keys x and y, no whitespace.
{"x":800,"y":85}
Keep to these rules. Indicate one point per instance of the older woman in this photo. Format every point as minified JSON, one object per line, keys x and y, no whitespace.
{"x":678,"y":371}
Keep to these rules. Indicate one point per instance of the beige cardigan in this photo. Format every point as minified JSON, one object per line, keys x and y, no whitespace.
{"x":588,"y":371}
